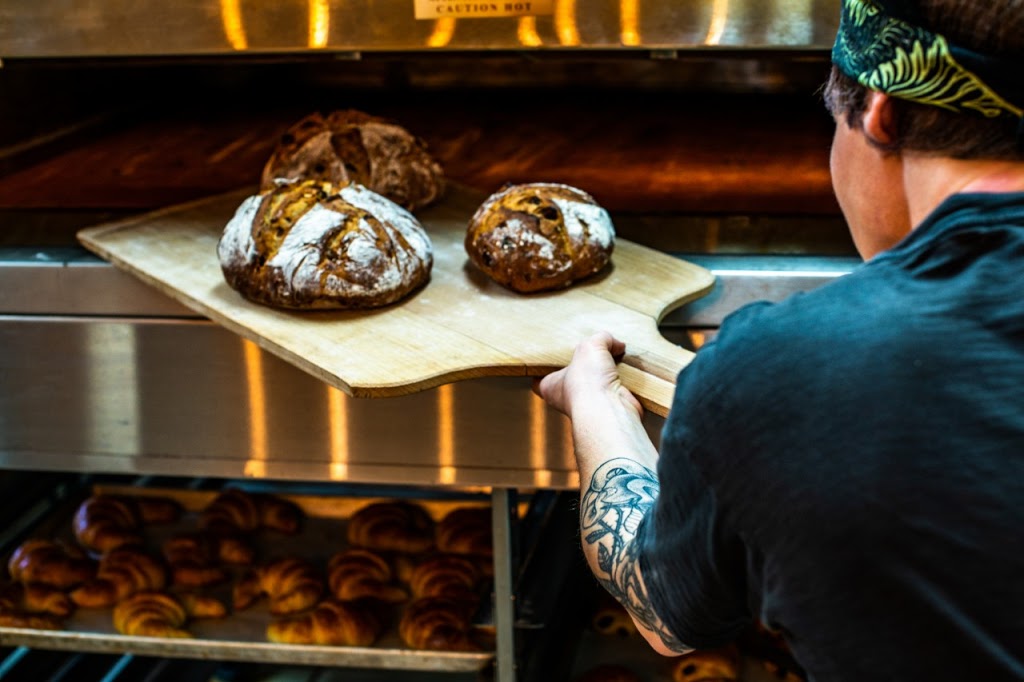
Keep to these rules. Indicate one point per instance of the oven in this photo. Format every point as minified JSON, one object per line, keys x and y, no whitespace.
{"x":698,"y":125}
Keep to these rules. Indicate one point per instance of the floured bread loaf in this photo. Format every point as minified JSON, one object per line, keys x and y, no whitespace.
{"x":316,"y":245}
{"x":540,"y":236}
{"x":350,"y":146}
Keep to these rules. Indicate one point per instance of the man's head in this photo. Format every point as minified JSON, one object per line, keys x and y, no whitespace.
{"x":994,"y":28}
{"x":956,"y":115}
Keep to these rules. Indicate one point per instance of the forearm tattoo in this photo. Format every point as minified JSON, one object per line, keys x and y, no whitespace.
{"x":621,"y":492}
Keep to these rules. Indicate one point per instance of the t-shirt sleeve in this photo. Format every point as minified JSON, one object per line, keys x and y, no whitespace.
{"x":693,"y":564}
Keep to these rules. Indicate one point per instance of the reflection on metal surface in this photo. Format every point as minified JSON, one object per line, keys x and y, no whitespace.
{"x":565,"y":22}
{"x":697,"y":338}
{"x":234,"y":29}
{"x":444,"y":29}
{"x":319,"y":23}
{"x":539,"y":442}
{"x":719,"y":18}
{"x":629,"y":22}
{"x":196,"y":411}
{"x":527,"y":32}
{"x":112,"y":383}
{"x":111,"y":28}
{"x":256,"y":465}
{"x":337,"y":416}
{"x":446,"y":434}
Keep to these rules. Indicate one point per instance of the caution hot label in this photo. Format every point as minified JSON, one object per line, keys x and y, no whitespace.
{"x":474,"y":9}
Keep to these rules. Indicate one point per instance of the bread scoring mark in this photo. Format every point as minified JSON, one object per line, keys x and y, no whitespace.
{"x":236,"y":245}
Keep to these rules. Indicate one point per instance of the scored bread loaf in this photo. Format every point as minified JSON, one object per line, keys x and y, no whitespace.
{"x":540,"y":236}
{"x":351,"y":146}
{"x":394,"y":526}
{"x":360,"y":574}
{"x":316,"y":245}
{"x":330,"y":623}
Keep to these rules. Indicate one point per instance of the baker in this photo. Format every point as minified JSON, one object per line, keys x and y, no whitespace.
{"x":847,"y":466}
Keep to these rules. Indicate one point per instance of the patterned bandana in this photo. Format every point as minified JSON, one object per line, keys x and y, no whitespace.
{"x":880,"y":47}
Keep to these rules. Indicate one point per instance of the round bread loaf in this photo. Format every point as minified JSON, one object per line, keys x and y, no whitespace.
{"x":315,"y":245}
{"x":351,"y":146}
{"x":540,"y":236}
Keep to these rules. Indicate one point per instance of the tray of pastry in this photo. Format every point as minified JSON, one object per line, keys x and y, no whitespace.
{"x":611,"y":650}
{"x":252,"y":576}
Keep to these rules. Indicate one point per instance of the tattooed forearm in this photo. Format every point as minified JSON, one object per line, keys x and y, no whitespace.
{"x":621,"y":492}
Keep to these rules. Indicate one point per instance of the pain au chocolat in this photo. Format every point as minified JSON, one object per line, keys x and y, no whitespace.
{"x":540,"y":236}
{"x":319,"y":245}
{"x":351,"y":146}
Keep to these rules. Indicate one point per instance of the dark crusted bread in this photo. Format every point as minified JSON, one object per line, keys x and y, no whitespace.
{"x":315,"y":245}
{"x":350,"y":146}
{"x":540,"y":236}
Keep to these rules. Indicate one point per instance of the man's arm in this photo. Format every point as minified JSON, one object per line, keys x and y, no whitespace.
{"x":618,"y":484}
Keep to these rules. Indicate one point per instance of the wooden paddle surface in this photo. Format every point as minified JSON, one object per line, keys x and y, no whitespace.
{"x":461,"y":325}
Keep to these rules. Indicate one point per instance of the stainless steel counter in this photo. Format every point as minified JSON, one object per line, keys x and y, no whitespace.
{"x":102,"y":373}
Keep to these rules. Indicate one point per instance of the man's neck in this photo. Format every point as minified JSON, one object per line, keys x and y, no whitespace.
{"x":930,"y":180}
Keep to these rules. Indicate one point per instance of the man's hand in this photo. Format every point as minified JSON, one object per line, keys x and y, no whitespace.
{"x":591,"y":377}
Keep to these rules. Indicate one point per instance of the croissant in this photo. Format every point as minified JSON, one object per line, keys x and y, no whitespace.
{"x":361,"y":574}
{"x":46,"y":562}
{"x":331,"y":623}
{"x":466,"y":530}
{"x":445,"y":575}
{"x":34,"y":621}
{"x":121,"y":574}
{"x":437,"y":623}
{"x":719,"y":665}
{"x":202,"y":606}
{"x":237,"y":510}
{"x":290,"y":584}
{"x":18,"y":599}
{"x":151,"y":614}
{"x":392,"y":526}
{"x":103,"y":523}
{"x":192,"y":559}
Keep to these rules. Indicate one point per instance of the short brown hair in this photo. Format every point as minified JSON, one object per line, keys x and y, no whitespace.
{"x":994,"y":28}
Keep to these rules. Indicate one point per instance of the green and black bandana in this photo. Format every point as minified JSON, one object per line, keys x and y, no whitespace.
{"x":882,"y":46}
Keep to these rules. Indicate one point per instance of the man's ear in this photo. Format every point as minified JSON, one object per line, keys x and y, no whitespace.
{"x":879,"y":120}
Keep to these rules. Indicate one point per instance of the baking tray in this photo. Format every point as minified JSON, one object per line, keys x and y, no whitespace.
{"x":242,"y":636}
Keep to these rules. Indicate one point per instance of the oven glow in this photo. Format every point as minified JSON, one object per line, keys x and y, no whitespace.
{"x":231,"y":19}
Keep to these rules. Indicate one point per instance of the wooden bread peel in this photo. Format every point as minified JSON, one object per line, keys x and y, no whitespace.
{"x":461,"y":325}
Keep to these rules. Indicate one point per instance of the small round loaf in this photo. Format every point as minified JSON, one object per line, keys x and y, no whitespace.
{"x":540,"y":236}
{"x":316,"y":245}
{"x":351,"y":146}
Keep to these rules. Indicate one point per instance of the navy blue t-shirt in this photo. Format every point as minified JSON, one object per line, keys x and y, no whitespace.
{"x":848,"y":465}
